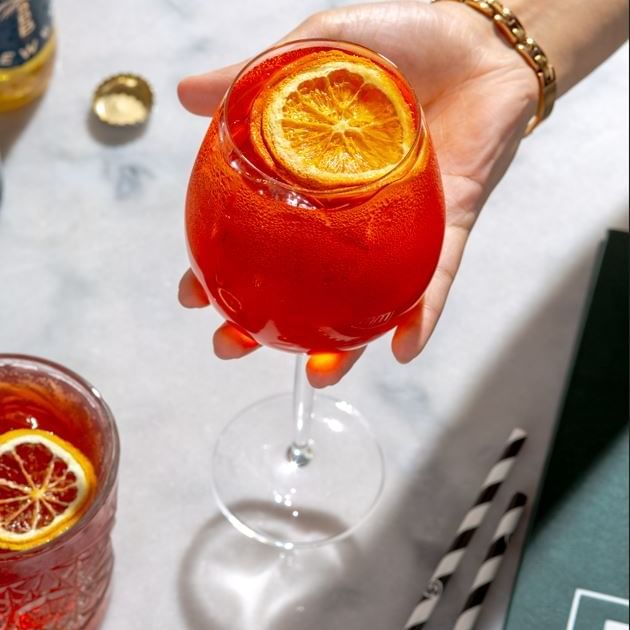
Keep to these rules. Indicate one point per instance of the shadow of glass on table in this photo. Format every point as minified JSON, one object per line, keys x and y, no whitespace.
{"x":228,"y":581}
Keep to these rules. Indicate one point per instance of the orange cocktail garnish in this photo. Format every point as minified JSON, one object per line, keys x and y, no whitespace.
{"x":334,"y":120}
{"x":45,"y":486}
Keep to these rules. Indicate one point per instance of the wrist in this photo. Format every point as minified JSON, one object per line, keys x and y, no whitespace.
{"x":490,"y":45}
{"x":576,"y":35}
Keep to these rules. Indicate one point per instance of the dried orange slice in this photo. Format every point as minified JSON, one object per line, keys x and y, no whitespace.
{"x":333,"y":120}
{"x":46,"y":484}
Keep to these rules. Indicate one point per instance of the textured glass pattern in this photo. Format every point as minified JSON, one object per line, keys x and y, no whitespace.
{"x":65,"y":597}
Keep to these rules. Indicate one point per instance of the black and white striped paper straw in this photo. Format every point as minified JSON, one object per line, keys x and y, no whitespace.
{"x":490,"y":567}
{"x":466,"y":531}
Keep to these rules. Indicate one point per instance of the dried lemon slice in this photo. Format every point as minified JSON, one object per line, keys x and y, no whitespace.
{"x":46,"y":484}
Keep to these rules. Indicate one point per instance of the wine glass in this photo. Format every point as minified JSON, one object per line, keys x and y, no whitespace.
{"x":310,"y":268}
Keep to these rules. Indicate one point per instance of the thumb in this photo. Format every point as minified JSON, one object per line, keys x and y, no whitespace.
{"x":201,"y":94}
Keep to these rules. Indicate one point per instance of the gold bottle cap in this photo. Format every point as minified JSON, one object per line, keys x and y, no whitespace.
{"x":123,"y":100}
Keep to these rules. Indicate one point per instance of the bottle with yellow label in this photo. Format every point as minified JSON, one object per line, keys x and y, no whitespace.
{"x":27,"y":50}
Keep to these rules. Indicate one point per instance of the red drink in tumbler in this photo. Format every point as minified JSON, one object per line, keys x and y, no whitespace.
{"x":58,"y":466}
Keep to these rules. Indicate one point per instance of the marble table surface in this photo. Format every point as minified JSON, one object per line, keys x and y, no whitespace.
{"x":91,"y":250}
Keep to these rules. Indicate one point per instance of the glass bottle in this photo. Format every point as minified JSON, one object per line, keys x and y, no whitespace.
{"x":27,"y":50}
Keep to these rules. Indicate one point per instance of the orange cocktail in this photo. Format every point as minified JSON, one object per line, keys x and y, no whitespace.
{"x":58,"y":465}
{"x":315,"y":212}
{"x":315,"y":219}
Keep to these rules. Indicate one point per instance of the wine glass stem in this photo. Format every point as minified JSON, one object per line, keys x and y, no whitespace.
{"x":300,"y":451}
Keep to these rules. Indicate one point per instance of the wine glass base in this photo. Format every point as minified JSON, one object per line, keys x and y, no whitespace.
{"x":274,"y":500}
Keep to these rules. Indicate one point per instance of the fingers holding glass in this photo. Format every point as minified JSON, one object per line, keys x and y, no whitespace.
{"x":231,"y":342}
{"x":201,"y":94}
{"x":327,"y":368}
{"x":418,"y":324}
{"x":191,"y":294}
{"x":322,"y":369}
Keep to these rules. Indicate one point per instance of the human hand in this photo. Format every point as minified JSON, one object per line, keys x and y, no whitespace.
{"x":477,"y":95}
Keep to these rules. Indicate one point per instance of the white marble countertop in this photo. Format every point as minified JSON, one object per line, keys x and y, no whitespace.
{"x":91,"y":250}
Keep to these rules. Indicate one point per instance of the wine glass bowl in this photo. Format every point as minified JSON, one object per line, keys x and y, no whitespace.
{"x":309,"y":270}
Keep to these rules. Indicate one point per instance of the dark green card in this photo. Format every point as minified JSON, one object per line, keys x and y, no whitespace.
{"x":574,"y":570}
